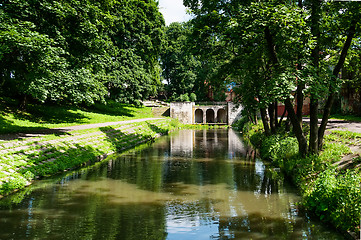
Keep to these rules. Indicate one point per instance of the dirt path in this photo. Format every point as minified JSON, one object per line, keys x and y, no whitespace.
{"x":351,"y":160}
{"x":340,"y":125}
{"x":62,"y":130}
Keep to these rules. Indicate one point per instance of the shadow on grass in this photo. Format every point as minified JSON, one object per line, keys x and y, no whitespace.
{"x":48,"y":114}
{"x":9,"y":131}
{"x":117,"y":138}
{"x":121,"y":140}
{"x":34,"y":115}
{"x":156,"y":129}
{"x":112,"y":109}
{"x":53,"y":114}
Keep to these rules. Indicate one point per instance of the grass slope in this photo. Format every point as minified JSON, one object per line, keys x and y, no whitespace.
{"x":21,"y":161}
{"x":36,"y":116}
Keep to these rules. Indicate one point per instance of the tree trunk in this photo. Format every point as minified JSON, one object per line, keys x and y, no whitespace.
{"x":265,"y":121}
{"x":24,"y":103}
{"x":336,"y":70}
{"x":271,"y":113}
{"x":276,"y":114}
{"x":302,"y":142}
{"x":270,"y":45}
{"x":325,"y":117}
{"x":287,"y":124}
{"x":300,"y":96}
{"x":313,"y":142}
{"x":315,"y":56}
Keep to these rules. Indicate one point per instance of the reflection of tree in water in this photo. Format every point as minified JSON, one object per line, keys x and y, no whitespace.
{"x":58,"y":214}
{"x":207,"y":166}
{"x":256,"y":226}
{"x":76,"y":214}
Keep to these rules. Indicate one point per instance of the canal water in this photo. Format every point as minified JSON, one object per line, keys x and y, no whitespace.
{"x":195,"y":184}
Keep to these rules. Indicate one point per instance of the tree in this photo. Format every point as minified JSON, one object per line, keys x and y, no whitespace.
{"x":275,"y":47}
{"x":189,"y":70}
{"x":179,"y":65}
{"x":80,"y":51}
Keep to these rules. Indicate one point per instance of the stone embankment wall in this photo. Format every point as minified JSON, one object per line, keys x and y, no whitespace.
{"x":23,"y":160}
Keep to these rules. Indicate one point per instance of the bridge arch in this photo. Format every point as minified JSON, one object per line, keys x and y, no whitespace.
{"x":198,"y":116}
{"x":221,"y":116}
{"x":210,"y":116}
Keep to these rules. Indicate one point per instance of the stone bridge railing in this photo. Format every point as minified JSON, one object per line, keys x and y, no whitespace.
{"x":205,"y":113}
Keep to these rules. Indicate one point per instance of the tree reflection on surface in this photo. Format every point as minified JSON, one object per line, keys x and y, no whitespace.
{"x":191,"y":185}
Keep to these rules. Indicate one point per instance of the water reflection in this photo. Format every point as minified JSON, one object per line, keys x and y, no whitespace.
{"x":193,"y":185}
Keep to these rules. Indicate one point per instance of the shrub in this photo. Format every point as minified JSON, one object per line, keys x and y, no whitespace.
{"x":333,"y":196}
{"x":278,"y":148}
{"x":193,"y":97}
{"x":184,"y":97}
{"x":241,"y":123}
{"x":253,"y":133}
{"x":336,"y":198}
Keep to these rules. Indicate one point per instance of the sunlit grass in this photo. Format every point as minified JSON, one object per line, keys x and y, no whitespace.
{"x":52,"y":116}
{"x":351,"y":118}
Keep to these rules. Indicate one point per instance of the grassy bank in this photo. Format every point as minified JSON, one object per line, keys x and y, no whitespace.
{"x":330,"y":188}
{"x":22,"y":161}
{"x":37,"y":116}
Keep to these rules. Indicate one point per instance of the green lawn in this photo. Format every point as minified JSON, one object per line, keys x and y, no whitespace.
{"x":350,"y":118}
{"x":52,"y":116}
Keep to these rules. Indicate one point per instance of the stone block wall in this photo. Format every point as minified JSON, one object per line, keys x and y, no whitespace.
{"x":234,"y":112}
{"x":183,"y":111}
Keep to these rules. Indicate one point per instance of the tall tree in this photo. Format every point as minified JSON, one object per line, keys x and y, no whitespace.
{"x":179,"y":65}
{"x":80,"y":51}
{"x":188,"y":69}
{"x":279,"y":48}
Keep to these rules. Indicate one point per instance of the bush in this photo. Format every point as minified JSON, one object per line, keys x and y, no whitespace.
{"x":332,"y":195}
{"x":253,"y":133}
{"x":184,"y":97}
{"x":278,"y":148}
{"x":337,"y":198}
{"x":193,"y":97}
{"x":241,"y":123}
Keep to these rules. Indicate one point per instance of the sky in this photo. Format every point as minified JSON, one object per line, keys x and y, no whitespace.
{"x":173,"y":11}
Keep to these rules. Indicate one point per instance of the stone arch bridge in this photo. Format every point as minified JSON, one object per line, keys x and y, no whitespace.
{"x":205,"y":113}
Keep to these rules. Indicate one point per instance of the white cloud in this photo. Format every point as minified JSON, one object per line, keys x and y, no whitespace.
{"x":173,"y":11}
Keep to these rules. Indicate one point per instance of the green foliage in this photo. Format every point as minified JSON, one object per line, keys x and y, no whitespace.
{"x":254,"y":134}
{"x":178,"y":63}
{"x":241,"y":123}
{"x":186,"y":68}
{"x":337,"y":198}
{"x":192,"y":97}
{"x":80,"y":52}
{"x":278,"y":148}
{"x":16,"y":181}
{"x":332,"y":195}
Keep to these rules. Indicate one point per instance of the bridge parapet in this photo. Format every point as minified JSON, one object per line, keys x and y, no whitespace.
{"x":205,"y":113}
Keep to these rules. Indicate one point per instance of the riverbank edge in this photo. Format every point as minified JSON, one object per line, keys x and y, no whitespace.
{"x":309,"y":179}
{"x":25,"y":160}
